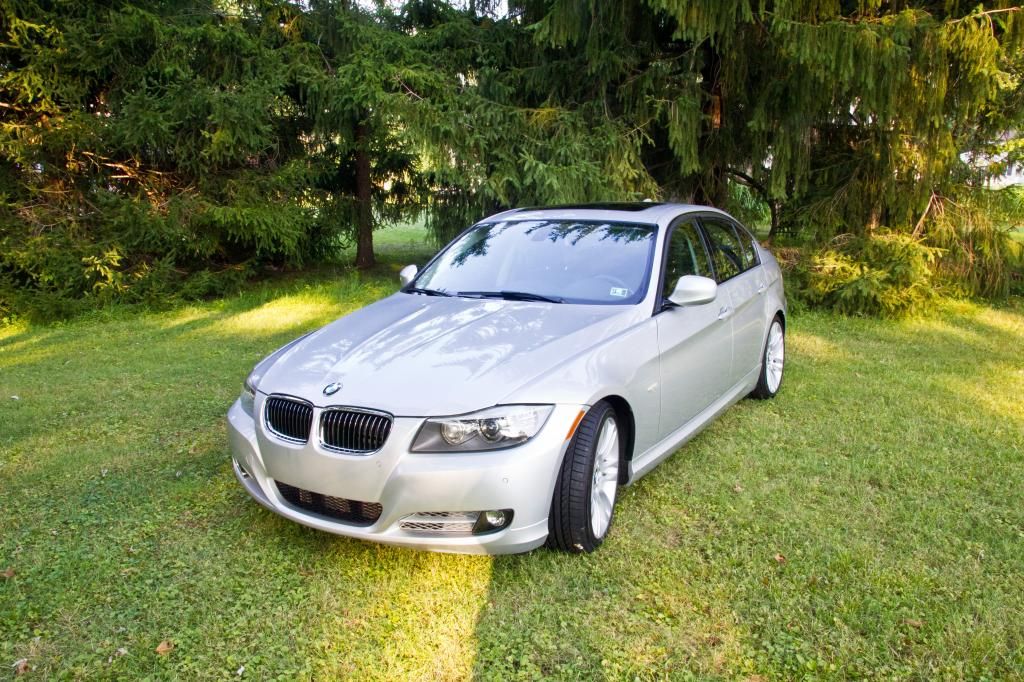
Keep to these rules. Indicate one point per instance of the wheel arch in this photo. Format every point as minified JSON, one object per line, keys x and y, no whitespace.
{"x":779,"y":313}
{"x":625,"y":414}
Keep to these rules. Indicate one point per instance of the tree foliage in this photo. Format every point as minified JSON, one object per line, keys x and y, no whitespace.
{"x":144,"y":148}
{"x":151,"y":147}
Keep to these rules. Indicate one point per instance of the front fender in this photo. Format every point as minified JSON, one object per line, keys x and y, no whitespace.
{"x":626,"y":365}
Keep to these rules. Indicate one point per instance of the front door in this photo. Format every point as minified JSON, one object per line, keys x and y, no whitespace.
{"x":695,"y":342}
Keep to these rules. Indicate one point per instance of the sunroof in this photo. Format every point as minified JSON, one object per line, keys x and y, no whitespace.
{"x":633,"y":206}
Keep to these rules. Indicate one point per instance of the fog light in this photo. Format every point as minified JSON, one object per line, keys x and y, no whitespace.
{"x":492,"y":520}
{"x":495,"y":519}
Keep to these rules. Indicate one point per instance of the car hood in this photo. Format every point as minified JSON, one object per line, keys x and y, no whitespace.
{"x":416,"y":355}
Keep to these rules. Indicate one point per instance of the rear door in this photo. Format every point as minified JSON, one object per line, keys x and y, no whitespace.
{"x":740,"y":275}
{"x":695,"y":342}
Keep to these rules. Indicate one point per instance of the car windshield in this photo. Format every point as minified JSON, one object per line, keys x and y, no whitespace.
{"x":569,"y":261}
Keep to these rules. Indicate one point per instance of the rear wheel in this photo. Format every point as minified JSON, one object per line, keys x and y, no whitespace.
{"x":772,"y":362}
{"x":584,"y":501}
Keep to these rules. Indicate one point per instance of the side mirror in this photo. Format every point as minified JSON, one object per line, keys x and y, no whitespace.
{"x":694,"y":290}
{"x":407,"y":274}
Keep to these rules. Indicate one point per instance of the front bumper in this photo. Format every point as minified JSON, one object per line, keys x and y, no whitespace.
{"x":404,"y":483}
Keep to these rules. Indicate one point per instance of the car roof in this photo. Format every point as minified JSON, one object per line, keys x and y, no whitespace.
{"x":651,"y":212}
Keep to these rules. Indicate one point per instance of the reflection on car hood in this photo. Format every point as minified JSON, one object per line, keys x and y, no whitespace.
{"x":415,"y":355}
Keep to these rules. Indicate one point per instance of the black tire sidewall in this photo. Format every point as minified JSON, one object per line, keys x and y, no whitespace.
{"x":569,"y":523}
{"x":763,"y":391}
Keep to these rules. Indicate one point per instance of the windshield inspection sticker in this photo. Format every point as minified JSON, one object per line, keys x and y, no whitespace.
{"x":618,"y":291}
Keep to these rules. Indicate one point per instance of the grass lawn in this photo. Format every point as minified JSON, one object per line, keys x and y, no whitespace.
{"x":868,"y":522}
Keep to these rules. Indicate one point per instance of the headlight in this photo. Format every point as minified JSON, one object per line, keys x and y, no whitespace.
{"x":491,"y":429}
{"x":248,"y":397}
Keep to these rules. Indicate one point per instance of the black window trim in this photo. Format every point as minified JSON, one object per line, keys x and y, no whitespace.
{"x":725,"y":218}
{"x":694,"y":217}
{"x":742,"y":231}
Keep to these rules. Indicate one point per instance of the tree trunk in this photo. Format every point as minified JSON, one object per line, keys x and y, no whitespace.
{"x":711,"y":187}
{"x":773,"y":205}
{"x":773,"y":208}
{"x":364,"y":227}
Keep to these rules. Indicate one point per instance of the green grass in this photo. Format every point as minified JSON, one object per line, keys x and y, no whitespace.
{"x":400,"y":244}
{"x":888,"y":475}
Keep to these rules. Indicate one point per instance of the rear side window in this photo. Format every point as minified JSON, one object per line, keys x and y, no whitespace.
{"x":686,"y":256}
{"x":750,"y":258}
{"x":726,"y":248}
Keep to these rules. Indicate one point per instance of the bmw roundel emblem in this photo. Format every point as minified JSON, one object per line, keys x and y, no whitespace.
{"x":331,"y":389}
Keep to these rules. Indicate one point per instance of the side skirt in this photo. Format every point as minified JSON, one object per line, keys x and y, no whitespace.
{"x":643,"y":463}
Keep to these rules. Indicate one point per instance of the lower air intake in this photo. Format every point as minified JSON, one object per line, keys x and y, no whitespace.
{"x":440,"y":523}
{"x":337,"y":508}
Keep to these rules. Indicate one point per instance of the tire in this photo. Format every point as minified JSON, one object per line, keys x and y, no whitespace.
{"x":583,"y":504}
{"x":773,"y":360}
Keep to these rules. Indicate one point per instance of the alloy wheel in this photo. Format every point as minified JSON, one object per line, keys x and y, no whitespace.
{"x":606,"y":478}
{"x":775,"y":356}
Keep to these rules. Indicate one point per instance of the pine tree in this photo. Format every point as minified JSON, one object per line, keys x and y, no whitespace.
{"x":841,"y":116}
{"x":149,"y":147}
{"x":145,"y":147}
{"x":348,"y":66}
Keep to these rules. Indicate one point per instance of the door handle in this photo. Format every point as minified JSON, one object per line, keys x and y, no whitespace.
{"x":761,"y":288}
{"x":724,"y":312}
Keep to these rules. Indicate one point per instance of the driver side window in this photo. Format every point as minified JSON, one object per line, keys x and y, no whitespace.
{"x":686,"y":255}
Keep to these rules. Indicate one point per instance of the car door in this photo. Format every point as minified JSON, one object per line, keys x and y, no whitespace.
{"x":695,"y":342}
{"x":742,"y":278}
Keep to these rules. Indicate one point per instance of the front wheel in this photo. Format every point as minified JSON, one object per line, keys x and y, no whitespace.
{"x":772,"y":362}
{"x":584,"y":499}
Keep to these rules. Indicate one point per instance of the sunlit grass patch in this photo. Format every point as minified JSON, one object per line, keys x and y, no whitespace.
{"x":988,"y":390}
{"x":283,"y":313}
{"x":815,"y":348}
{"x":394,"y":614}
{"x":1009,"y":321}
{"x":185,"y":316}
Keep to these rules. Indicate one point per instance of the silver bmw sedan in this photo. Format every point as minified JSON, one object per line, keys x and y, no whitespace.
{"x":501,"y":397}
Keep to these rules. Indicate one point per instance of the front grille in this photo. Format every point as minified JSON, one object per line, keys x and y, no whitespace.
{"x":354,"y":430}
{"x":459,"y":523}
{"x":337,"y":508}
{"x":289,"y":418}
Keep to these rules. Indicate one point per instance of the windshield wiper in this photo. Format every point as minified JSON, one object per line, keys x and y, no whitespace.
{"x":511,"y":296}
{"x":426,"y":292}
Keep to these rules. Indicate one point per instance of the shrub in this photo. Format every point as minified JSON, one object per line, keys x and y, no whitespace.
{"x":884,"y":273}
{"x":975,"y":229}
